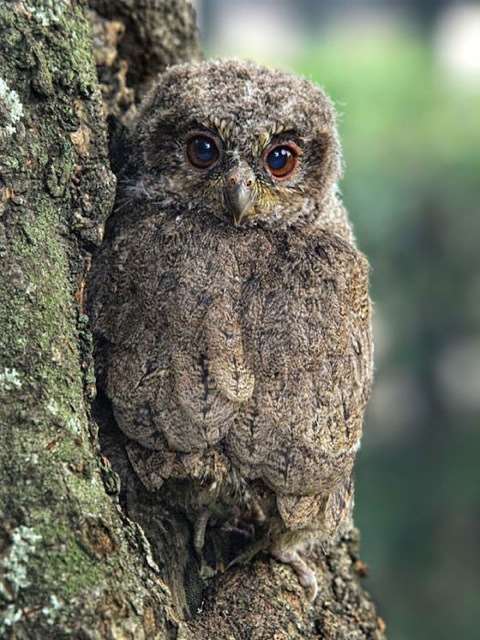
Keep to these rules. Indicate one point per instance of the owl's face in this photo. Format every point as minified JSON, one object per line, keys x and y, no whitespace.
{"x":238,"y":142}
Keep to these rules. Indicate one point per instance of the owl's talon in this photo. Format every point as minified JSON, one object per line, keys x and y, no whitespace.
{"x":200,"y":528}
{"x":258,"y":513}
{"x":306,"y":576}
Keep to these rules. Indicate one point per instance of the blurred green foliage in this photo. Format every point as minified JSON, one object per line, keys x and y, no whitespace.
{"x":411,"y":137}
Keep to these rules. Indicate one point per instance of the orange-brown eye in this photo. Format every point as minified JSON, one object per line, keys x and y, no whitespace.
{"x":202,"y":151}
{"x":281,"y":160}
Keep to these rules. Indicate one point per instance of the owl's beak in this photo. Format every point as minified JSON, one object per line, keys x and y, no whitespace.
{"x":239,"y":194}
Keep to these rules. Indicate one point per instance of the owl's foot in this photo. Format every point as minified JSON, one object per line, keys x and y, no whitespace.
{"x":306,"y":576}
{"x":247,"y":533}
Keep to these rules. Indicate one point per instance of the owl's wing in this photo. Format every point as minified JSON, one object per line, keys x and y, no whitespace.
{"x":176,"y":370}
{"x":313,"y":367}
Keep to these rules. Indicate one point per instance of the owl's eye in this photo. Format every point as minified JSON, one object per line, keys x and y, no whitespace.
{"x":202,"y":151}
{"x":282,"y":160}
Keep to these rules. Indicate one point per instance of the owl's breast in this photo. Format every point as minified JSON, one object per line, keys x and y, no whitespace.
{"x":251,"y":341}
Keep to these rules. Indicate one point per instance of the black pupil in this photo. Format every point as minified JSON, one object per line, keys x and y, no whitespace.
{"x":205,"y":149}
{"x":278,"y":158}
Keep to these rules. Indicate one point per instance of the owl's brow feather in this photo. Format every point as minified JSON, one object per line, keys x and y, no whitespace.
{"x":277,"y":133}
{"x":224,"y":128}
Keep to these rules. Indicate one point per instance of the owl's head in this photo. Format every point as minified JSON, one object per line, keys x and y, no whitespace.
{"x":243,"y":143}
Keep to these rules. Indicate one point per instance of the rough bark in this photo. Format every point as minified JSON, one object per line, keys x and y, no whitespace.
{"x":134,"y":41}
{"x":72,"y":564}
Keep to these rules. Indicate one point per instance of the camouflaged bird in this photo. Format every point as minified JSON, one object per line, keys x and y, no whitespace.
{"x":233,"y":305}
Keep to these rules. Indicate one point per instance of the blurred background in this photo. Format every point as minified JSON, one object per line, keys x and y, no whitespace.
{"x":405,"y":77}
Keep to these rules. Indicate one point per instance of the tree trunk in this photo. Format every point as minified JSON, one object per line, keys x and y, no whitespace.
{"x":72,"y":563}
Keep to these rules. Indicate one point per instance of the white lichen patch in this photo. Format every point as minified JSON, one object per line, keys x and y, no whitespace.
{"x":32,"y":459}
{"x":51,"y":612}
{"x":15,"y":563}
{"x":46,"y":12}
{"x":11,"y":109}
{"x":52,"y":407}
{"x":73,"y":424}
{"x":10,"y":380}
{"x":14,"y":572}
{"x":9,"y":616}
{"x":63,"y":417}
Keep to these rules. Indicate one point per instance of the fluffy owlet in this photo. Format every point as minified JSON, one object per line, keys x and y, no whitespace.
{"x":233,"y":308}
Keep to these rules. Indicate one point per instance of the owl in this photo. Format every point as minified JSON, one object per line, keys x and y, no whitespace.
{"x":231,"y":307}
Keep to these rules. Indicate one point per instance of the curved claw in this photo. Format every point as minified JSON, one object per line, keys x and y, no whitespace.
{"x":199,"y":530}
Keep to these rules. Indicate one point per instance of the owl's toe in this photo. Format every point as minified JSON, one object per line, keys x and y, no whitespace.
{"x":308,"y":580}
{"x":306,"y":576}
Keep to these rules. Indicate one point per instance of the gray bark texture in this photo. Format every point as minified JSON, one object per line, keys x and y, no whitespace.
{"x":80,"y":555}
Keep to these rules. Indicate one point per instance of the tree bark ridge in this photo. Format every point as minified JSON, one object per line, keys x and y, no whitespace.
{"x":71,"y":563}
